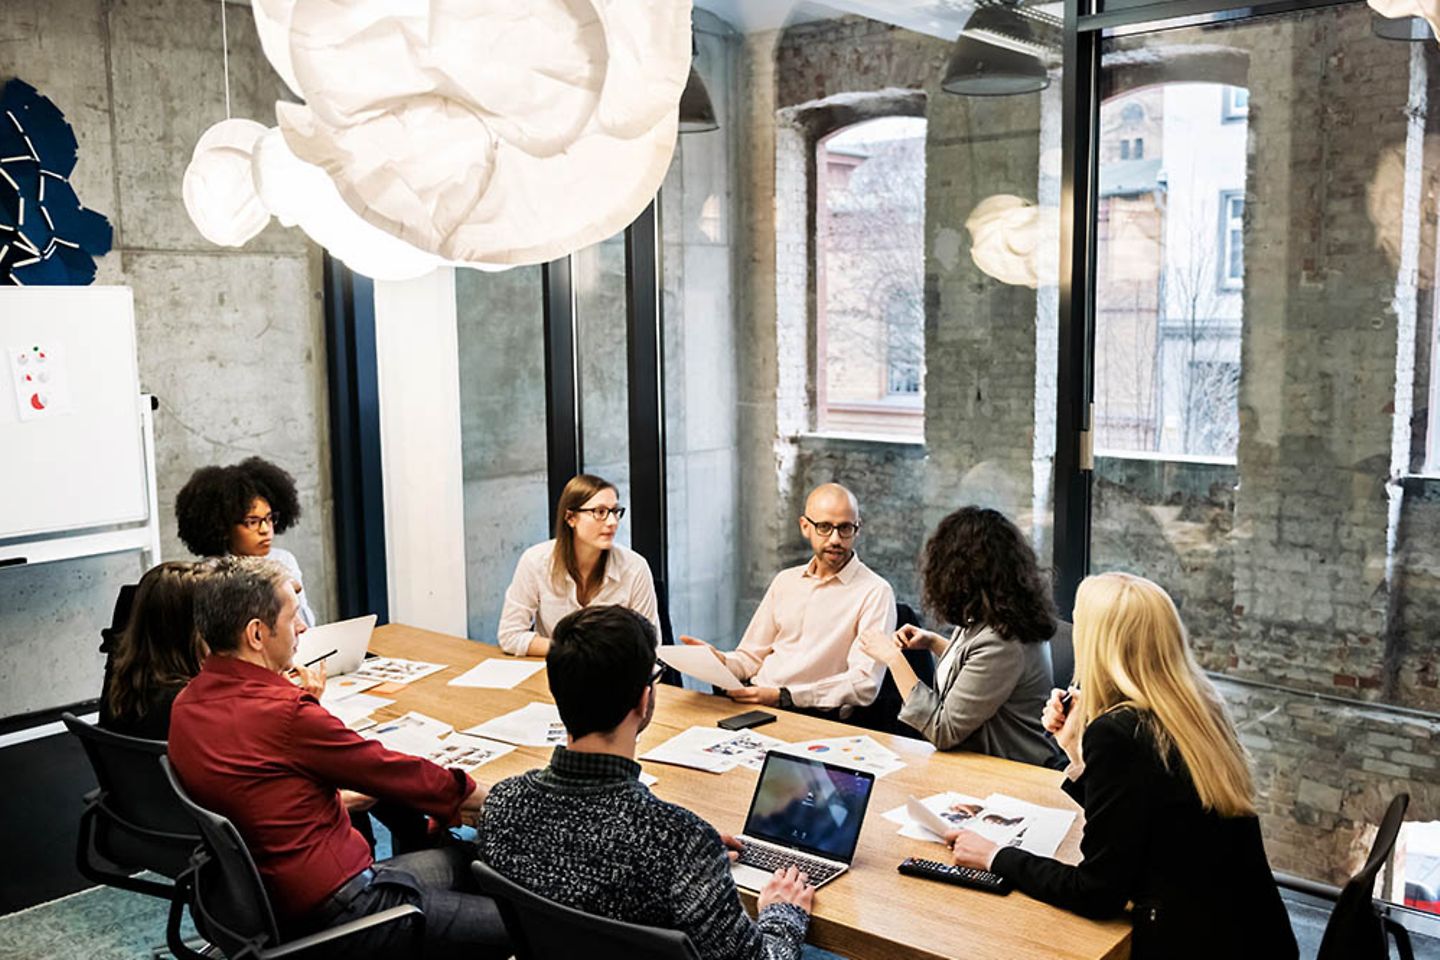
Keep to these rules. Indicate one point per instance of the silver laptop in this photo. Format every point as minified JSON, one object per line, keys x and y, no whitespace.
{"x":348,"y":638}
{"x":805,"y":813}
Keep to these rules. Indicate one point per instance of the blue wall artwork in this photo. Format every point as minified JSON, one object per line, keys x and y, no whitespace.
{"x":46,"y":235}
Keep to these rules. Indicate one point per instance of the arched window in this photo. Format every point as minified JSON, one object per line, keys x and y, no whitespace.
{"x":870,"y":272}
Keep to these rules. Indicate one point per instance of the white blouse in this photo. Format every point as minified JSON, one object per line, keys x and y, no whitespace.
{"x":536,"y":601}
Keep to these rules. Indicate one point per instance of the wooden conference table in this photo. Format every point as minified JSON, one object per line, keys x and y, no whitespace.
{"x":872,"y":912}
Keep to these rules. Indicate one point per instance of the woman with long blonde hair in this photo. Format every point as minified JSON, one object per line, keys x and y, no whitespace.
{"x":1170,"y":824}
{"x":582,"y":566}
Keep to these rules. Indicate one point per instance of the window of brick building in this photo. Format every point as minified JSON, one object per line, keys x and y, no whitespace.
{"x":870,"y":272}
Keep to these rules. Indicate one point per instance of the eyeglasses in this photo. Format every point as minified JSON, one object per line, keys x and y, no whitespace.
{"x":846,"y":530}
{"x":655,"y":677}
{"x":255,"y":523}
{"x":601,"y":513}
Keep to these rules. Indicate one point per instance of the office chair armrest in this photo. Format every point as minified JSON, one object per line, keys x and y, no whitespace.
{"x":343,"y":930}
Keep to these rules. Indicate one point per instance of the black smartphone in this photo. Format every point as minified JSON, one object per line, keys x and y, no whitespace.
{"x":1066,"y":698}
{"x":743,"y":721}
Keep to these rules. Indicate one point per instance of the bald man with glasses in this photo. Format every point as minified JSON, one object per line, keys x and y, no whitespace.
{"x":802,"y":648}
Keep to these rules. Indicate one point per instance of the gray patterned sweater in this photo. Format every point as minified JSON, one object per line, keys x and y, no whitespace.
{"x":586,"y":833}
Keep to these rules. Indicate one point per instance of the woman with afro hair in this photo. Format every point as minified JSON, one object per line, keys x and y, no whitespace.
{"x":993,"y":675}
{"x":239,"y":510}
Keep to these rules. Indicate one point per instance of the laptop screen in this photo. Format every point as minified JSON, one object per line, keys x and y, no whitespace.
{"x":810,"y":805}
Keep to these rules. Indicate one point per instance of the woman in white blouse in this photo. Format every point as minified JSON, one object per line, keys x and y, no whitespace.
{"x":581,"y":567}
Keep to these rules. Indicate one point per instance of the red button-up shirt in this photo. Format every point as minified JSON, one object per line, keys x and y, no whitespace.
{"x":250,"y":745}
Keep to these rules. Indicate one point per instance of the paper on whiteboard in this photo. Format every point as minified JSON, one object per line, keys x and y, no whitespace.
{"x":42,"y":383}
{"x":700,"y":663}
{"x":498,"y":674}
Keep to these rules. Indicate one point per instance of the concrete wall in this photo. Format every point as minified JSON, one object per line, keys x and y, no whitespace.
{"x":231,"y":341}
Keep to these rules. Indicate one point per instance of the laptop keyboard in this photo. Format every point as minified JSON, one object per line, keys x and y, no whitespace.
{"x":771,"y":859}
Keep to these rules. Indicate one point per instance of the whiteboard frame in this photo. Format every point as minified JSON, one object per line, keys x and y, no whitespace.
{"x":50,"y":547}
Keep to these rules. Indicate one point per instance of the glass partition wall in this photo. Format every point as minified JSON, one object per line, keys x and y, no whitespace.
{"x":1171,"y":309}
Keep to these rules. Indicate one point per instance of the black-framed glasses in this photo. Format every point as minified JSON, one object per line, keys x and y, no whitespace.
{"x":255,"y":523}
{"x":659,"y":672}
{"x":601,"y":513}
{"x":846,"y":530}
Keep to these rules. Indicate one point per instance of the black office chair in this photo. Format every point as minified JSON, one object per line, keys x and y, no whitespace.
{"x":1357,"y":929}
{"x":883,"y":715}
{"x":133,"y":821}
{"x":541,"y":929}
{"x":229,"y":904}
{"x":1062,"y":653}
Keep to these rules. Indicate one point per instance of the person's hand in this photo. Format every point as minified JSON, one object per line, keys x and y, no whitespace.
{"x":969,"y":849}
{"x":472,"y":806}
{"x":733,"y":846}
{"x":912,"y":637}
{"x":788,"y":886}
{"x":881,"y":647}
{"x":355,"y":802}
{"x":1064,"y":726}
{"x":695,"y":642}
{"x":760,"y":696}
{"x":312,"y":681}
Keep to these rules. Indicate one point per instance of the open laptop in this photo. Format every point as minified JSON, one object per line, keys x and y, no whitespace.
{"x":348,"y":638}
{"x":806,"y":813}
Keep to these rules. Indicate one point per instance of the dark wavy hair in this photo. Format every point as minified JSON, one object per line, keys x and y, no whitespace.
{"x":159,"y":647}
{"x":977,"y":569}
{"x":214,"y":499}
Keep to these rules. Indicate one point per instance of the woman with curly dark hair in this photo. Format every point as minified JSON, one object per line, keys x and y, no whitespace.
{"x":240,"y":509}
{"x":993,"y":674}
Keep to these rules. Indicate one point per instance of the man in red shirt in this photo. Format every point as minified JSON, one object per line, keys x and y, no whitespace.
{"x":253,"y":747}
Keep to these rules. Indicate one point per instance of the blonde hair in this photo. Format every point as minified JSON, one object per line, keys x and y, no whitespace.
{"x":1131,"y":651}
{"x":576,"y":494}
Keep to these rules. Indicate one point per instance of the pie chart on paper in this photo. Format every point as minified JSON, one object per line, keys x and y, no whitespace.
{"x":39,"y":401}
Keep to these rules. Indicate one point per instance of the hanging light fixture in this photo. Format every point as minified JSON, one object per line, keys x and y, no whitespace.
{"x":999,"y":53}
{"x":697,"y":113}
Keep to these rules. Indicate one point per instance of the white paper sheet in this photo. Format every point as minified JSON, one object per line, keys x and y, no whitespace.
{"x":498,"y":674}
{"x":648,"y":779}
{"x":696,"y":748}
{"x":414,"y":733}
{"x":467,"y":752}
{"x":338,"y":688}
{"x":355,"y":708}
{"x":700,"y":663}
{"x":860,"y":753}
{"x":999,"y":818}
{"x":533,"y":725}
{"x":394,"y":670}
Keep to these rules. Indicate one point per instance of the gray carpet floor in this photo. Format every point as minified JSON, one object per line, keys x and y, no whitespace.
{"x":107,"y":924}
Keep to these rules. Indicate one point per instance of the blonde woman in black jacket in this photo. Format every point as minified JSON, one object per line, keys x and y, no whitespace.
{"x":1170,"y":824}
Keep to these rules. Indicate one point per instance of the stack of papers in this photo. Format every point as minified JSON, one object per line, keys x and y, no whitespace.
{"x":338,"y":688}
{"x":533,"y":725}
{"x":392,"y":670}
{"x":715,"y":750}
{"x":354,"y":711}
{"x":998,"y":818}
{"x":858,"y":753}
{"x":498,"y":674}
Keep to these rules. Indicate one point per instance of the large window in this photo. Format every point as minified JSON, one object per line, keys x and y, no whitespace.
{"x":870,"y":259}
{"x":1167,"y":331}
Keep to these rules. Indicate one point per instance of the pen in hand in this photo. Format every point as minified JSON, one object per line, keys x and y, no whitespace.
{"x":311,"y":663}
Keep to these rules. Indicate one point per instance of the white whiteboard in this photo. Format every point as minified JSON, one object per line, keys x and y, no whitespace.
{"x":72,"y":452}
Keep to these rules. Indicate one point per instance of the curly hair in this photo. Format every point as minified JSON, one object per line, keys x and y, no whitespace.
{"x":214,"y":499}
{"x":978,"y":570}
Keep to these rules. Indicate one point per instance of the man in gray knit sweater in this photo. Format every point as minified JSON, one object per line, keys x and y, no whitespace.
{"x":586,"y":833}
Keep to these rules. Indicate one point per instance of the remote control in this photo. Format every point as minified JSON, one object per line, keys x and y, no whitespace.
{"x":960,"y":876}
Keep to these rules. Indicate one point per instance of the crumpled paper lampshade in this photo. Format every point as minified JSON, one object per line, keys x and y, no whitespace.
{"x":1009,"y":237}
{"x":488,"y":132}
{"x":218,"y":188}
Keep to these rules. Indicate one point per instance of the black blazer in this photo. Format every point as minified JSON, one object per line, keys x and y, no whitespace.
{"x":1200,"y":883}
